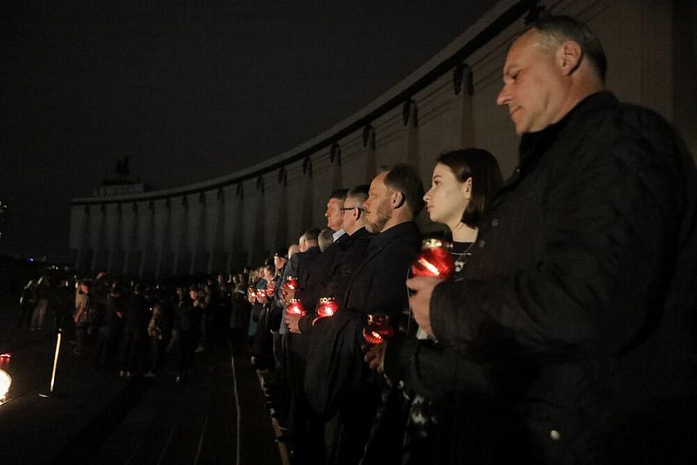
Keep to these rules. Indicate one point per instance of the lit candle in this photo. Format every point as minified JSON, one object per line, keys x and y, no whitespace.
{"x":434,"y":260}
{"x":327,"y":307}
{"x":378,"y":329}
{"x":295,"y":307}
{"x":291,"y":283}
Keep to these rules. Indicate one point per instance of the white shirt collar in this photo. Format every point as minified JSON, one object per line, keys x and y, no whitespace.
{"x":338,"y":234}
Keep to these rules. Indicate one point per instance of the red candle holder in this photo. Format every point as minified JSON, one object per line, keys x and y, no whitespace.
{"x":291,"y":283}
{"x":378,"y":329}
{"x":434,"y":260}
{"x":270,"y":288}
{"x":295,"y":307}
{"x":326,"y":307}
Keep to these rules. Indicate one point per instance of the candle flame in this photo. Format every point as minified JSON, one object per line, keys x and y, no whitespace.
{"x":429,"y":266}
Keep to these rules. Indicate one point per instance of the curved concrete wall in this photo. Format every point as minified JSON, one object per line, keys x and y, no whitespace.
{"x":226,"y":223}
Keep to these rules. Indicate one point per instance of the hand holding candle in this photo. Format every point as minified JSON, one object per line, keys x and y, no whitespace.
{"x":295,"y":307}
{"x":288,"y":289}
{"x":378,"y":329}
{"x":326,"y":308}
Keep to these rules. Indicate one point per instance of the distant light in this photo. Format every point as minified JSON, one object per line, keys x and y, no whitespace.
{"x":5,"y":383}
{"x":30,"y":259}
{"x":6,"y":355}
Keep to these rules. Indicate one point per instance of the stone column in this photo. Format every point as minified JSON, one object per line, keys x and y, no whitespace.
{"x":259,"y":232}
{"x":335,"y":159}
{"x":281,"y":239}
{"x":412,"y":137}
{"x":97,"y":260}
{"x":215,"y":257}
{"x":463,"y":84}
{"x":181,"y":251}
{"x":198,"y":244}
{"x":164,"y":252}
{"x":131,"y":240}
{"x":369,"y":153}
{"x":308,"y":196}
{"x":147,"y":255}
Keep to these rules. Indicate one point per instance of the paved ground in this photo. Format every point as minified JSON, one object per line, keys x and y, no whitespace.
{"x":216,"y":417}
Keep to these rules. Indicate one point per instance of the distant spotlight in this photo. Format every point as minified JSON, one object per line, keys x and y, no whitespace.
{"x":5,"y":382}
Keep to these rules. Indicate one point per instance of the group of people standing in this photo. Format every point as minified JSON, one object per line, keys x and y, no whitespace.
{"x":567,"y":335}
{"x":568,"y":332}
{"x":134,"y":329}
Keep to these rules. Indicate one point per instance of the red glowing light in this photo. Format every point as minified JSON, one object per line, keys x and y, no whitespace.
{"x":327,"y":307}
{"x":6,"y":355}
{"x":295,"y":307}
{"x":291,"y":283}
{"x":378,"y":329}
{"x":434,"y":260}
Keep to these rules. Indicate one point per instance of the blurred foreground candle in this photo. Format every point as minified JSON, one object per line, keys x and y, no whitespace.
{"x":270,"y":288}
{"x":291,"y":283}
{"x":434,"y":260}
{"x":326,"y":308}
{"x":295,"y":307}
{"x":378,"y":329}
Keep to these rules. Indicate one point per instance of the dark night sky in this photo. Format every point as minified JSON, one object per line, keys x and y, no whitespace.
{"x":189,"y":93}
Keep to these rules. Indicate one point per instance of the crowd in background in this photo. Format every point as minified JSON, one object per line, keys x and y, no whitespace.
{"x":133,"y":328}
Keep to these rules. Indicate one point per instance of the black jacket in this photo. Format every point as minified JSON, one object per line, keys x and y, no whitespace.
{"x":336,"y":370}
{"x":301,"y":264}
{"x":581,"y":293}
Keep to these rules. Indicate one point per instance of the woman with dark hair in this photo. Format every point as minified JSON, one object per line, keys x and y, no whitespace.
{"x":462,"y":184}
{"x":427,"y":410}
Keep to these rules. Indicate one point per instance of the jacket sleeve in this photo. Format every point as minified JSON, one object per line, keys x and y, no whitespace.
{"x":431,"y":371}
{"x":609,"y":239}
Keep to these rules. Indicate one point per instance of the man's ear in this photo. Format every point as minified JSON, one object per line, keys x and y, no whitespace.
{"x":569,"y":56}
{"x":398,"y":199}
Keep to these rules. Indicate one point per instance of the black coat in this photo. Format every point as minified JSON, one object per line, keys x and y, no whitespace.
{"x":319,"y":275}
{"x":336,"y":371}
{"x":301,"y":264}
{"x":332,"y":272}
{"x":581,"y":295}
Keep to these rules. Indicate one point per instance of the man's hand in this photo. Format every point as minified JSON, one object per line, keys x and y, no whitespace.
{"x":420,"y":302}
{"x":292,"y":322}
{"x":375,"y":357}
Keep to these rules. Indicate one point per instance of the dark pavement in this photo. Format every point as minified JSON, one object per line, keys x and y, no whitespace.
{"x":216,"y":416}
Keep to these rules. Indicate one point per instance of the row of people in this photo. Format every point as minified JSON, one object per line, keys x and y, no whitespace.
{"x":567,"y":334}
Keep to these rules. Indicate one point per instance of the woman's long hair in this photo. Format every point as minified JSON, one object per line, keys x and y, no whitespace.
{"x":482,"y":167}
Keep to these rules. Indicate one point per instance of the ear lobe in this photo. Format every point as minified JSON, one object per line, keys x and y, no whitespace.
{"x":570,"y":56}
{"x":467,"y":189}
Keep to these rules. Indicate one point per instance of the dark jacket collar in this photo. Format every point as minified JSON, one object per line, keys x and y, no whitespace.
{"x":386,"y":237}
{"x":533,"y":145}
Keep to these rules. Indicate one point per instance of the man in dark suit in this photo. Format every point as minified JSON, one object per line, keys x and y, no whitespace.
{"x":376,"y":286}
{"x":299,"y":266}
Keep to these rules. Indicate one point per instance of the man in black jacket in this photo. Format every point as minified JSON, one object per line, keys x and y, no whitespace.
{"x":579,"y":298}
{"x":376,"y":286}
